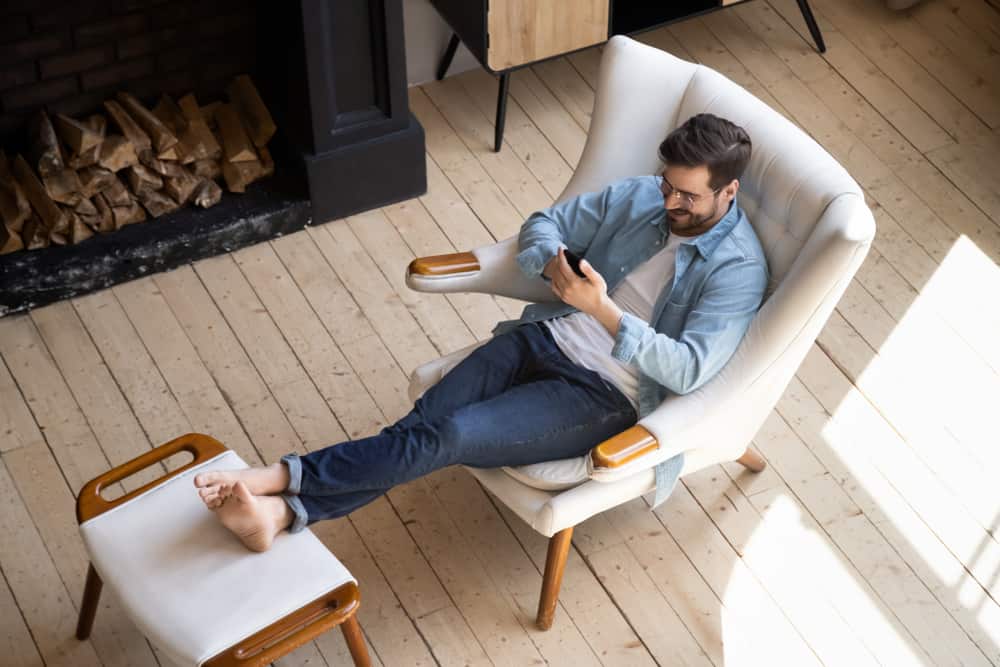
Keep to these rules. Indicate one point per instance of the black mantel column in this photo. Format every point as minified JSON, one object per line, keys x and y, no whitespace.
{"x":346,"y":104}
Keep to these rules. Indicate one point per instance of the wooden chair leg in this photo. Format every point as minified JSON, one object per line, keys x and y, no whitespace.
{"x":355,"y":641}
{"x":555,"y":565}
{"x":88,"y":609}
{"x":752,"y":460}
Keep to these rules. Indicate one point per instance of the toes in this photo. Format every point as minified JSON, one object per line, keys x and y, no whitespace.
{"x":207,"y":492}
{"x":222,"y":488}
{"x":203,"y":479}
{"x":214,"y":496}
{"x":242,"y":493}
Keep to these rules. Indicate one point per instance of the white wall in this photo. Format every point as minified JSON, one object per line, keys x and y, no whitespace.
{"x":426,"y":36}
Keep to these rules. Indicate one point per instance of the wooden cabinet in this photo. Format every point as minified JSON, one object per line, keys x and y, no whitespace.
{"x":526,"y":31}
{"x":507,"y":34}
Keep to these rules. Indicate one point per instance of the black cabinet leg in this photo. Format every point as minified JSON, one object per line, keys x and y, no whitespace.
{"x":817,"y":36}
{"x":449,"y":54}
{"x":501,"y":112}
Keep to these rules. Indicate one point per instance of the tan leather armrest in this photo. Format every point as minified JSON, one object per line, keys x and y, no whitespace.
{"x":624,"y":447}
{"x":292,"y":631}
{"x":444,"y":265}
{"x":90,"y":503}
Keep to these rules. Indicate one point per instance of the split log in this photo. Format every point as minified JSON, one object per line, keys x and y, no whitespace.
{"x":208,"y":111}
{"x":207,"y":169}
{"x":189,"y":147}
{"x":161,"y":135}
{"x":117,"y":194}
{"x":141,"y":178}
{"x":149,"y":160}
{"x":156,"y":203}
{"x":162,"y":167}
{"x":78,"y":230}
{"x":78,"y":136}
{"x":140,"y":140}
{"x":107,"y":217}
{"x":43,"y":146}
{"x":203,"y":143}
{"x":34,"y":235}
{"x":94,"y":180}
{"x":239,"y":175}
{"x":236,"y":144}
{"x":124,"y":207}
{"x":98,"y":123}
{"x":180,"y":185}
{"x":10,"y":240}
{"x":60,"y":238}
{"x":87,"y":212}
{"x":117,"y":152}
{"x":85,"y":159}
{"x":167,"y":111}
{"x":207,"y":194}
{"x":51,"y":217}
{"x":96,"y":126}
{"x":64,"y":187}
{"x":175,"y":153}
{"x":127,"y":215}
{"x":257,"y":119}
{"x":266,"y":162}
{"x":14,"y":206}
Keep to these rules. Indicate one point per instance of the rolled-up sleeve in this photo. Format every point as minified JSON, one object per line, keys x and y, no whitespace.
{"x":569,"y":224}
{"x":714,"y":327}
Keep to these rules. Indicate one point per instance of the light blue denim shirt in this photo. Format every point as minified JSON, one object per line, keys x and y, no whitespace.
{"x":698,"y":319}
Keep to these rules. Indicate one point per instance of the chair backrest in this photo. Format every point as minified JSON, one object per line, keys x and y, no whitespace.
{"x":644,"y":93}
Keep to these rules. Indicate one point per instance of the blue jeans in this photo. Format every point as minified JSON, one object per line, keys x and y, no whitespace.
{"x":515,"y":400}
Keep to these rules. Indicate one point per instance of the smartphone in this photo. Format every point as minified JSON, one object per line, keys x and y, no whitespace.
{"x":574,"y":262}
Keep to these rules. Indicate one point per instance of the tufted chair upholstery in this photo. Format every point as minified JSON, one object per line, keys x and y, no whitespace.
{"x":813,"y":224}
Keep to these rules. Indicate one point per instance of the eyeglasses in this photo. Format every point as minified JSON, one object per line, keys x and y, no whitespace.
{"x":687,"y":197}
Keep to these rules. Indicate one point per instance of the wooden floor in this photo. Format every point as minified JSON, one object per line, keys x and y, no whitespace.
{"x":872,"y":537}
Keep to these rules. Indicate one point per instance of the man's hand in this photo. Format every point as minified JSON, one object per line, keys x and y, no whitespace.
{"x":589,"y":295}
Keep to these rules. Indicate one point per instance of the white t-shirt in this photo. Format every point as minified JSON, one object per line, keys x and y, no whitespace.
{"x":587,"y":343}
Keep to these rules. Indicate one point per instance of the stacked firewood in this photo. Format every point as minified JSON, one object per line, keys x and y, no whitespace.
{"x":95,"y":175}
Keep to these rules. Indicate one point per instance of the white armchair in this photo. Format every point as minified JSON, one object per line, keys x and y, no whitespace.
{"x":815,"y":229}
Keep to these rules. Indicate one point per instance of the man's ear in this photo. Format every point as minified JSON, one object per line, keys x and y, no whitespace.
{"x":733,"y":188}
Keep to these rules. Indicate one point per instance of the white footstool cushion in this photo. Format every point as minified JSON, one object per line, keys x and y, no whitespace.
{"x":188,"y":584}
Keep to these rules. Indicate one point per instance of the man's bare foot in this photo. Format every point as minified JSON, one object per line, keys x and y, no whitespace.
{"x":255,"y":520}
{"x":213,"y":496}
{"x":215,"y":487}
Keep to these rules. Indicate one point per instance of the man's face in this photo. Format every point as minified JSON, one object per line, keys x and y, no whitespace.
{"x":692,"y":206}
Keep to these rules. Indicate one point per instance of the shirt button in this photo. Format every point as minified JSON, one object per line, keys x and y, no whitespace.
{"x":623,"y":269}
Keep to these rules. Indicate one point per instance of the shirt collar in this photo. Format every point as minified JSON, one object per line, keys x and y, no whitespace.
{"x":707,"y":242}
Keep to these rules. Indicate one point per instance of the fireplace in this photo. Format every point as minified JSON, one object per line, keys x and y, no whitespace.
{"x":332,"y":74}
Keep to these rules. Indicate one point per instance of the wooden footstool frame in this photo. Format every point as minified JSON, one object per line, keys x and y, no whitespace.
{"x":338,"y":607}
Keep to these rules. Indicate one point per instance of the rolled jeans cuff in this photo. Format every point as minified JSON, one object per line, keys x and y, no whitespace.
{"x":301,"y":519}
{"x":294,"y":474}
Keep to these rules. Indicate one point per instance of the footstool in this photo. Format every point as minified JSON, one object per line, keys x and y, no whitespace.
{"x":191,"y":587}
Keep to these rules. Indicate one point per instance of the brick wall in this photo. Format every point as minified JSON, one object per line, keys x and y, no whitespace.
{"x":69,"y":56}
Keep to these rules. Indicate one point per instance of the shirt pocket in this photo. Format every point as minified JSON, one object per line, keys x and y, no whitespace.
{"x":672,"y":319}
{"x":680,"y":297}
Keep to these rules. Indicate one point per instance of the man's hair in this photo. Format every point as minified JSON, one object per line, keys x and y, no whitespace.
{"x":708,"y":140}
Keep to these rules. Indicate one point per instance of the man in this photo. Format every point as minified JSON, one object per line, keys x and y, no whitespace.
{"x":673,"y":275}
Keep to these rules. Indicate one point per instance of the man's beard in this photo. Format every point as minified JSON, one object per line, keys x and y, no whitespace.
{"x":691,"y":220}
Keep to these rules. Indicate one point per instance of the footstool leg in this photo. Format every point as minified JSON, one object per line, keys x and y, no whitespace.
{"x":88,"y":609}
{"x":355,"y":641}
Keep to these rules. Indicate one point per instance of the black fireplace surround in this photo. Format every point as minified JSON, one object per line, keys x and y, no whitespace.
{"x":332,"y":73}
